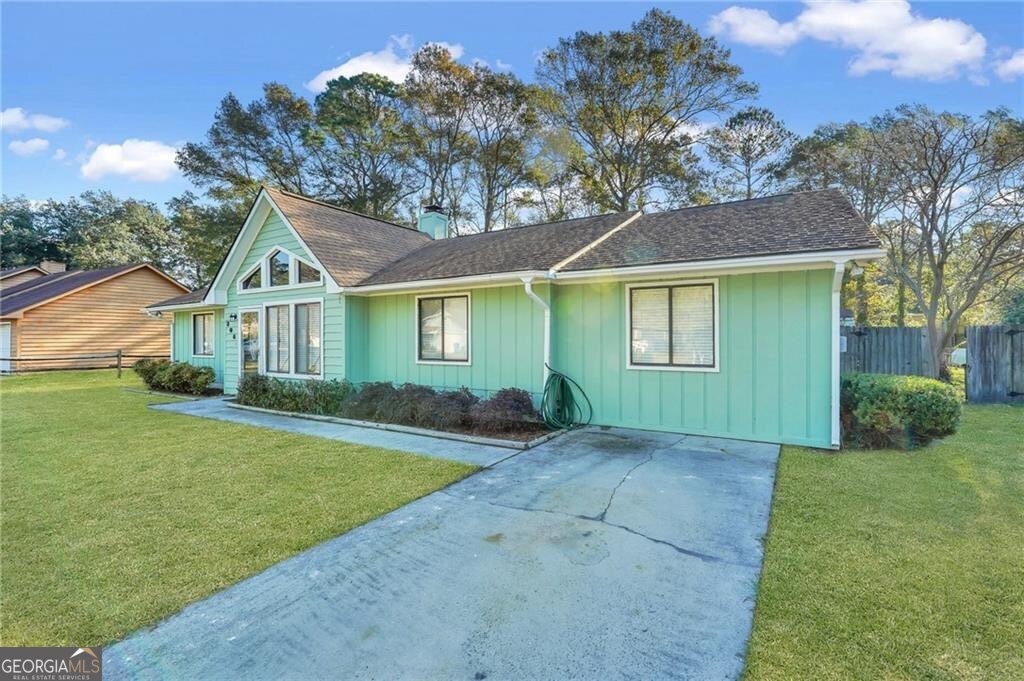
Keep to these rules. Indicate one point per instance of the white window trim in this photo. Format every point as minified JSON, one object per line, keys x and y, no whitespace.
{"x":192,"y":334}
{"x":716,"y":310}
{"x":469,"y":330}
{"x":241,"y":347}
{"x":263,"y":264}
{"x":291,"y":338}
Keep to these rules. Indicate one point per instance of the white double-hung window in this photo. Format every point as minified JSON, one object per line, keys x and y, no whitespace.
{"x":202,"y":334}
{"x":673,"y":326}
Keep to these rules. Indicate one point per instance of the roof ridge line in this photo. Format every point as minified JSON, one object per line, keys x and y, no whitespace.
{"x":341,"y":208}
{"x":593,"y":244}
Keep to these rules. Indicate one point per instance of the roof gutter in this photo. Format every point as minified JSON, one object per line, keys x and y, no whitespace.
{"x":198,"y":305}
{"x":422,"y":284}
{"x":746,"y":264}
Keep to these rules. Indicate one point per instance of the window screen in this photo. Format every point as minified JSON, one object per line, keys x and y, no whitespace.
{"x":202,"y":334}
{"x":278,"y":360}
{"x":444,"y":329}
{"x":307,"y":338}
{"x":673,"y":325}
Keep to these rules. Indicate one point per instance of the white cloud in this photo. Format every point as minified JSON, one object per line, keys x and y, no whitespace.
{"x":886,"y":36}
{"x":1012,"y":67}
{"x":142,"y":160}
{"x":60,"y":155}
{"x":502,"y":66}
{"x":754,"y":27}
{"x":29,"y":147}
{"x":393,"y":62}
{"x":16,"y":119}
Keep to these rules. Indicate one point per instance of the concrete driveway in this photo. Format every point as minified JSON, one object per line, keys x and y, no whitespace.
{"x":603,"y":554}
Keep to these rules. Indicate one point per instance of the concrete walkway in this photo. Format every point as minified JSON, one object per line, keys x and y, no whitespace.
{"x":215,"y":408}
{"x":603,"y":554}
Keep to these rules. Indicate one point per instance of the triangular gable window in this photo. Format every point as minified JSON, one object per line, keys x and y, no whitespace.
{"x":278,"y":269}
{"x":254,"y":280}
{"x":308,"y":274}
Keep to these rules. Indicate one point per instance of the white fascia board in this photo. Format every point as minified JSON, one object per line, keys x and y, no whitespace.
{"x":819,"y":259}
{"x":198,"y":305}
{"x":497,"y":279}
{"x":264,"y":204}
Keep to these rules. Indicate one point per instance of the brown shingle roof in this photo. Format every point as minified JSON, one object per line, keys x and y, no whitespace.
{"x":350,"y":245}
{"x":533,"y":247}
{"x":41,"y":289}
{"x":190,"y":297}
{"x":789,"y":223}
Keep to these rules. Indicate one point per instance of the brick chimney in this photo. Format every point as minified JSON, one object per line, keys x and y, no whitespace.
{"x":52,"y":266}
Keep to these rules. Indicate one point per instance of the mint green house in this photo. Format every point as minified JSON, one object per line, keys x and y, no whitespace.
{"x":717,"y":320}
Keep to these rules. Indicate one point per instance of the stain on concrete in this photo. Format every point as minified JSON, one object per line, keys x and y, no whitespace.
{"x":617,"y":561}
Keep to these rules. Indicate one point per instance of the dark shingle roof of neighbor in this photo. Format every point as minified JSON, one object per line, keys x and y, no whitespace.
{"x":533,"y":247}
{"x":190,"y":297}
{"x":350,"y":245}
{"x":800,"y":222}
{"x":43,"y":288}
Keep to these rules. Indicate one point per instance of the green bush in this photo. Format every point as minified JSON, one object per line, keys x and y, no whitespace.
{"x":310,"y":397}
{"x":175,"y":377}
{"x":881,"y":410}
{"x":371,"y":402}
{"x":448,"y":410}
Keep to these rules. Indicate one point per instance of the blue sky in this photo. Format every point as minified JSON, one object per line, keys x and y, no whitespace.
{"x":96,"y":96}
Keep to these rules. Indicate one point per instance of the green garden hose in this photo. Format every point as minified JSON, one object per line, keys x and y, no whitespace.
{"x":560,"y":408}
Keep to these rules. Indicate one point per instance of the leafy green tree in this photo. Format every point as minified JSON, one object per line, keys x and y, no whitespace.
{"x":204,"y":232}
{"x":749,"y":152}
{"x":249,"y":145}
{"x":437,"y":92}
{"x":25,"y":238}
{"x":99,"y":230}
{"x":553,"y":191}
{"x":1011,"y":308}
{"x":502,"y":120}
{"x":628,"y":98}
{"x":362,"y":145}
{"x":845,"y":157}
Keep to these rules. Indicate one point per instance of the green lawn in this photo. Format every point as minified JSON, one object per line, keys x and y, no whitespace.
{"x":892,"y":565}
{"x":114,"y":515}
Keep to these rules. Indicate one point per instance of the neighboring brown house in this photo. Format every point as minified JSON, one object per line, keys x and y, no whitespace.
{"x":19,"y":275}
{"x":83,"y":312}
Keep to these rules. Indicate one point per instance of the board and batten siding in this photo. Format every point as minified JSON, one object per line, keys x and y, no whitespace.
{"x":182,"y":342}
{"x":99,"y":319}
{"x":274,"y":233}
{"x":506,"y":342}
{"x":774,"y":354}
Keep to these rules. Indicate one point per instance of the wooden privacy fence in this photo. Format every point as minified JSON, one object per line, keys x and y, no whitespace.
{"x":885,"y":350}
{"x":995,"y":364}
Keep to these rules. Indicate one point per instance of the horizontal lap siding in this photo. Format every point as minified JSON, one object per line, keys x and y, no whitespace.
{"x":274,"y":233}
{"x":100,"y":319}
{"x":506,"y":342}
{"x":183,"y":342}
{"x":774,"y":346}
{"x":20,"y":278}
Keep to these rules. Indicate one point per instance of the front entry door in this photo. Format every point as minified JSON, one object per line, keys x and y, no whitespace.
{"x":250,"y":350}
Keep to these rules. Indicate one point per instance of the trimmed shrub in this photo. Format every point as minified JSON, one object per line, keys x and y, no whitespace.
{"x":175,"y":377}
{"x":308,"y":396}
{"x":407,"y":406}
{"x":508,"y":409}
{"x":448,"y":410}
{"x":370,"y":401}
{"x":882,"y":410}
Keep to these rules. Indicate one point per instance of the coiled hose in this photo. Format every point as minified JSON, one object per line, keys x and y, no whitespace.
{"x":560,"y":408}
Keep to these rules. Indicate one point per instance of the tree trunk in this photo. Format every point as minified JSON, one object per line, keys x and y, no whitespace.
{"x":862,"y":300}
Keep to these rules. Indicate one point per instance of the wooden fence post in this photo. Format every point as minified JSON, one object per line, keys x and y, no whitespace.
{"x":119,"y":354}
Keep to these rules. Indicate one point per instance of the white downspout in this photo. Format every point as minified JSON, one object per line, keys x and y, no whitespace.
{"x":837,"y":287}
{"x":528,"y":286}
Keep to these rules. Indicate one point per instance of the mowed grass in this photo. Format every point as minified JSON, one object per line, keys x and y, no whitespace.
{"x":114,"y":516}
{"x":895,"y":565}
